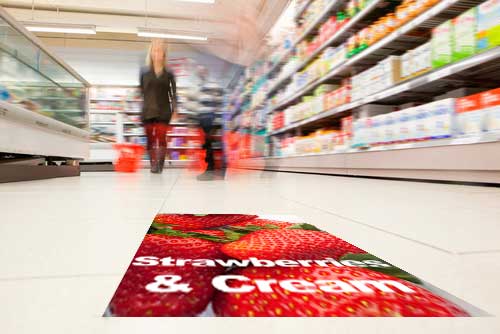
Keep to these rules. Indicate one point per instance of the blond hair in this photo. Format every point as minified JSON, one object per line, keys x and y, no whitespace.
{"x":149,"y":61}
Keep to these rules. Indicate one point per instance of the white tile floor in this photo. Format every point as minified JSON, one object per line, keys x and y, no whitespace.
{"x":66,"y":243}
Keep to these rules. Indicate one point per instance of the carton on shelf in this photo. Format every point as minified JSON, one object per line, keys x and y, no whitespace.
{"x":488,"y":25}
{"x":490,"y":103}
{"x":442,"y":44}
{"x":442,"y":118}
{"x":470,"y":116}
{"x":464,"y":34}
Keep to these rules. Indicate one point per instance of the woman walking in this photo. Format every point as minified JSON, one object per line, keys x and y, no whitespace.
{"x":159,"y":92}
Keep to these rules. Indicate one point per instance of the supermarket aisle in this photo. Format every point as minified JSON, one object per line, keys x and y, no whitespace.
{"x":66,"y":243}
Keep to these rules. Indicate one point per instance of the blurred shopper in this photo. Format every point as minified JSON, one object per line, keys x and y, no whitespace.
{"x":209,"y":98}
{"x":159,"y":91}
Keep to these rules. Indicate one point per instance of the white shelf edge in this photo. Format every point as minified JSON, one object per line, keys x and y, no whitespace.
{"x":18,"y":114}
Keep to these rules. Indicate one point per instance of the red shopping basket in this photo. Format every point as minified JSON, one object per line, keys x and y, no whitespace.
{"x":129,"y":157}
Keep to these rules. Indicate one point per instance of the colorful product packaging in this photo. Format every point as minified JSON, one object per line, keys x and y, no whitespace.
{"x":490,"y":103}
{"x":442,"y":118}
{"x":470,"y":115}
{"x":464,"y":34}
{"x":442,"y":44}
{"x":488,"y":25}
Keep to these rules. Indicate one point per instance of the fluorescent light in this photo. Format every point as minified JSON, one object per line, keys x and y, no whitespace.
{"x":167,"y":35}
{"x":60,"y":28}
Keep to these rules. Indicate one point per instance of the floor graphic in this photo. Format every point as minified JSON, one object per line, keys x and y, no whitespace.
{"x":247,"y":265}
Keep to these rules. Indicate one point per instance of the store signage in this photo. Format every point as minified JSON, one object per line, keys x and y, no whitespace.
{"x":247,"y":265}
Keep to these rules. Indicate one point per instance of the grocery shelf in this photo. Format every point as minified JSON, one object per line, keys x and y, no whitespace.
{"x":312,"y":27}
{"x":415,"y":84}
{"x":36,"y":134}
{"x":339,"y":36}
{"x":468,"y":159}
{"x":302,"y":9}
{"x":397,"y":40}
{"x":320,"y":18}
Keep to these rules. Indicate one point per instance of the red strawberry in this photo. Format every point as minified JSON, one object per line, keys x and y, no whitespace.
{"x":290,"y":245}
{"x":282,"y":302}
{"x":265,"y":223}
{"x":195,"y":222}
{"x":133,"y":299}
{"x":178,"y":247}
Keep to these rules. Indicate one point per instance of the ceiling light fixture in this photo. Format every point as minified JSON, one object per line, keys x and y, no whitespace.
{"x":61,"y":28}
{"x":168,"y":35}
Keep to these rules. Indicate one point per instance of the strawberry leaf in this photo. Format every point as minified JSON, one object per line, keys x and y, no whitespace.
{"x":391,"y":271}
{"x":184,"y":234}
{"x":304,"y":226}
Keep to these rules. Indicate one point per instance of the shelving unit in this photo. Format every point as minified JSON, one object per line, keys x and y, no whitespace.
{"x":125,"y":108}
{"x":43,"y":114}
{"x":460,"y":158}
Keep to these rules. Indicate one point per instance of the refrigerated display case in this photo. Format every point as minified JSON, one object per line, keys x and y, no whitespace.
{"x":43,"y":101}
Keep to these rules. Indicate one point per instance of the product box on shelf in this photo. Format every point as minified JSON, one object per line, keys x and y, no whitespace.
{"x":490,"y":103}
{"x":470,"y":115}
{"x":441,"y":118}
{"x":391,"y":67}
{"x":464,"y":34}
{"x":346,"y":125}
{"x":488,"y":25}
{"x":442,"y":44}
{"x":404,"y":129}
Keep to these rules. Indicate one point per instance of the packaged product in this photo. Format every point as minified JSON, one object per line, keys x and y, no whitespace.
{"x":490,"y":103}
{"x":470,"y":116}
{"x":441,"y":42}
{"x":407,"y":68}
{"x":464,"y":34}
{"x":403,"y":125}
{"x":346,"y":124}
{"x":424,"y":58}
{"x":391,"y":68}
{"x":488,"y":25}
{"x":362,"y":42}
{"x":442,"y":118}
{"x":358,"y":133}
{"x":412,"y":123}
{"x":376,"y":130}
{"x":390,"y":128}
{"x":351,"y":46}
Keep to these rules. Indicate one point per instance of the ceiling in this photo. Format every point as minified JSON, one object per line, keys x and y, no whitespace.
{"x":235,"y":28}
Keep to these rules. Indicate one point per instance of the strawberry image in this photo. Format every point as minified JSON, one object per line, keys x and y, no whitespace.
{"x":264,"y":223}
{"x":186,"y":222}
{"x":213,"y":233}
{"x":132,"y":298}
{"x":291,"y":244}
{"x":354,"y":303}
